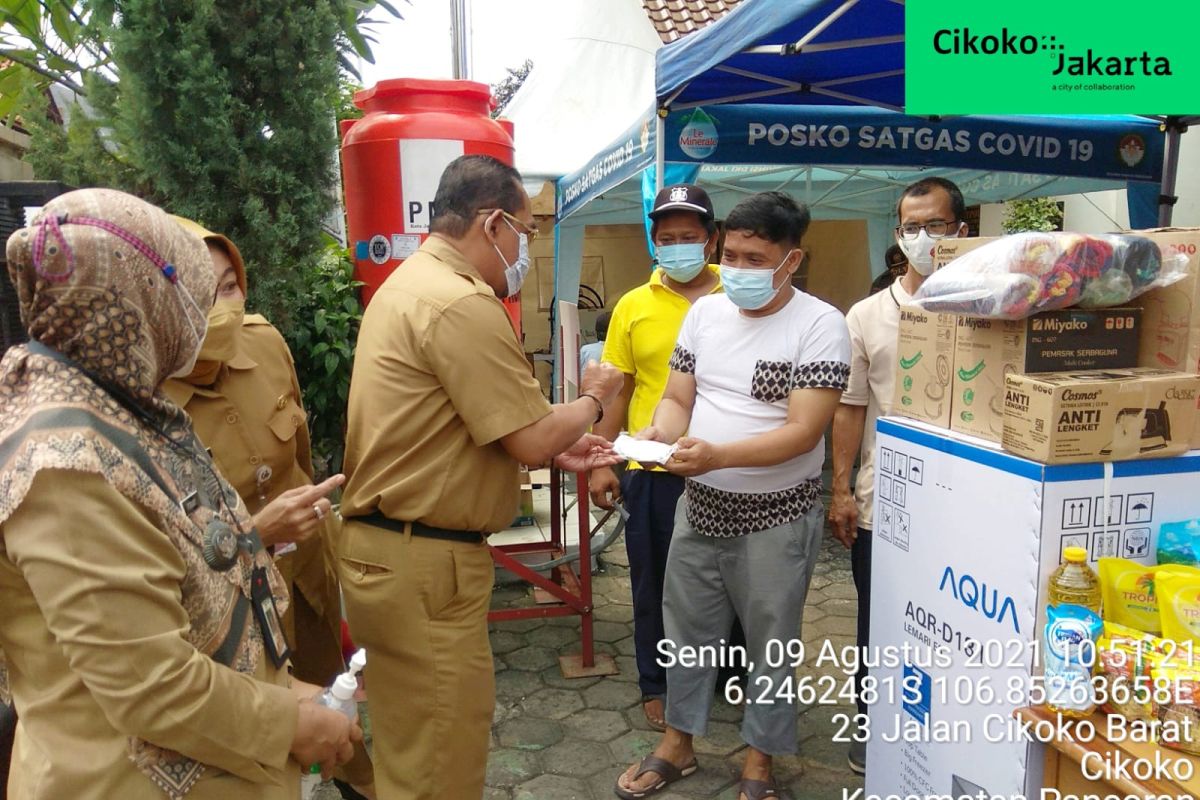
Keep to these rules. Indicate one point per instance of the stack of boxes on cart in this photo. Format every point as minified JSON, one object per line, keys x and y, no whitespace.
{"x":1063,"y":386}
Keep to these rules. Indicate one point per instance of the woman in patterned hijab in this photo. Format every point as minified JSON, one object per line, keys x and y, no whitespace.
{"x":140,"y":611}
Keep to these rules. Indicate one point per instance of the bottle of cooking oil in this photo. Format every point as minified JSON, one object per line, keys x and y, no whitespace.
{"x":1073,"y":625}
{"x":1074,"y":582}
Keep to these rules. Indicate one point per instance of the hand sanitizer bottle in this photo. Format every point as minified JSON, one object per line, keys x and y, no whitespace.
{"x":340,"y":697}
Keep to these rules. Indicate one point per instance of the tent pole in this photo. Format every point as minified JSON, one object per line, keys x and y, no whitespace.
{"x":460,"y":42}
{"x":822,"y":25}
{"x":1166,"y":199}
{"x":660,"y":148}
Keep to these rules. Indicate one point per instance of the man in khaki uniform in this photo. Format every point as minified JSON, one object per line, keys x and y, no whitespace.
{"x":443,"y":409}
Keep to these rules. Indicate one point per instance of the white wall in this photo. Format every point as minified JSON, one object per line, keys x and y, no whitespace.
{"x":1097,"y":212}
{"x":1187,"y":210}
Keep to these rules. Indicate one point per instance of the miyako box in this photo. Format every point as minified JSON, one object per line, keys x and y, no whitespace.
{"x":1069,"y":339}
{"x":924,"y":363}
{"x":1171,"y":314}
{"x":1099,"y":415}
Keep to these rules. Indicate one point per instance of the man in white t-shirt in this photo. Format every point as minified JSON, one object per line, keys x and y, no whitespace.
{"x":930,"y":209}
{"x":755,"y":378}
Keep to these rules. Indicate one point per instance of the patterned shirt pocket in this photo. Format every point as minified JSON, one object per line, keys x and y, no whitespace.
{"x":772,"y":381}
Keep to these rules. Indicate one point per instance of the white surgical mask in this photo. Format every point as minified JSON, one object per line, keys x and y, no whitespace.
{"x":515,"y":273}
{"x":682,"y":262}
{"x":919,"y":252}
{"x":751,"y":289}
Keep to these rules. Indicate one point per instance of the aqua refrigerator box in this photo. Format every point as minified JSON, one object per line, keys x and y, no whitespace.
{"x":965,"y":538}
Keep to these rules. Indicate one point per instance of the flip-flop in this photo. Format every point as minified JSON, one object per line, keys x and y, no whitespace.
{"x":758,"y":790}
{"x":668,"y":773}
{"x":657,"y":724}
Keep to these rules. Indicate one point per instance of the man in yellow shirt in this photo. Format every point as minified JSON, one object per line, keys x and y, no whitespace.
{"x":641,"y":337}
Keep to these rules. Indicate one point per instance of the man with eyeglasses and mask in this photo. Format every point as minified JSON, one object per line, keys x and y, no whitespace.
{"x":443,"y":408}
{"x":756,"y":374}
{"x":929,"y":210}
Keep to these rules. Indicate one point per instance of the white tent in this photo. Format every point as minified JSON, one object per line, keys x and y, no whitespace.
{"x":579,"y":96}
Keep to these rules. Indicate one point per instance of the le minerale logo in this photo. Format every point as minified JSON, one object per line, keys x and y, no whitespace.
{"x":965,"y":42}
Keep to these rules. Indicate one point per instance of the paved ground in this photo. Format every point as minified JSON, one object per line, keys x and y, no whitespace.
{"x":559,"y":739}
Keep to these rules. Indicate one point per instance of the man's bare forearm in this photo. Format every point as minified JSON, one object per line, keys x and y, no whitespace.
{"x":671,"y":419}
{"x":848,"y":425}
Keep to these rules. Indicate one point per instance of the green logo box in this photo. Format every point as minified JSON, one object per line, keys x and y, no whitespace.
{"x":1056,"y":57}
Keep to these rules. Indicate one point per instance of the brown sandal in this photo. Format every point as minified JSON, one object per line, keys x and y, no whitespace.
{"x":658,"y":723}
{"x":757,"y":790}
{"x":667,"y":773}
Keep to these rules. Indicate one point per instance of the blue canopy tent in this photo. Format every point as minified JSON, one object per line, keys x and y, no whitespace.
{"x":814,"y":52}
{"x":804,"y":95}
{"x":825,"y":52}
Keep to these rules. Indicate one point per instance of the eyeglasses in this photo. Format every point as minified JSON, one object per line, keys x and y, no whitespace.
{"x":936,"y":229}
{"x":529,"y":230}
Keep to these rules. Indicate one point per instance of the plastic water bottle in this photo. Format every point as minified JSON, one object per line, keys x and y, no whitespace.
{"x":1074,"y":582}
{"x":340,"y":697}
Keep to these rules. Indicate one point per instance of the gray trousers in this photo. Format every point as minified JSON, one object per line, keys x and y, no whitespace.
{"x":763,"y":577}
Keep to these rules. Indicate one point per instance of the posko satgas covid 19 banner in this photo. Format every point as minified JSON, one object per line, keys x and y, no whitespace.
{"x":1121,"y":148}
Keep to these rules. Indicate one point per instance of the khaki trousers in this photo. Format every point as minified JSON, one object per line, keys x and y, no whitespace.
{"x":419,"y":606}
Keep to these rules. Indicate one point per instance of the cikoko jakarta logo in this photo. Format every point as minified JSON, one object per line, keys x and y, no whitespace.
{"x":1064,"y":57}
{"x":1089,"y":63}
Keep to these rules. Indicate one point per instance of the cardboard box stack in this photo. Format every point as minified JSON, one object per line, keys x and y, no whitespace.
{"x":986,"y":351}
{"x":1171,"y":315}
{"x":951,"y":369}
{"x":1005,"y":381}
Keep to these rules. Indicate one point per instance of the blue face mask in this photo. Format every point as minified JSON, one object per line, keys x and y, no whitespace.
{"x":750,"y":289}
{"x":682,"y":262}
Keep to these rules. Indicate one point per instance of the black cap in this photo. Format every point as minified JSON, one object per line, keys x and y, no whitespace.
{"x":683,"y":197}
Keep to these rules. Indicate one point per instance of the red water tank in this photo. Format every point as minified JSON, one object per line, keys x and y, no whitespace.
{"x":393,"y":158}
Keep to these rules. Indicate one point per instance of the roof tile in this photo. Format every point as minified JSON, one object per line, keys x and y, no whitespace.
{"x":673,"y":19}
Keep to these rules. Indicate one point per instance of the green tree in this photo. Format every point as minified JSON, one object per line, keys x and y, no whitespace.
{"x":67,"y":42}
{"x":222,"y":111}
{"x":322,"y":345}
{"x":503,"y":91}
{"x":231,"y":123}
{"x":344,"y":103}
{"x":1032,"y":214}
{"x":44,"y":42}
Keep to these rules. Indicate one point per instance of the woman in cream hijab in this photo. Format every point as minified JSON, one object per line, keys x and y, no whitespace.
{"x":141,"y":612}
